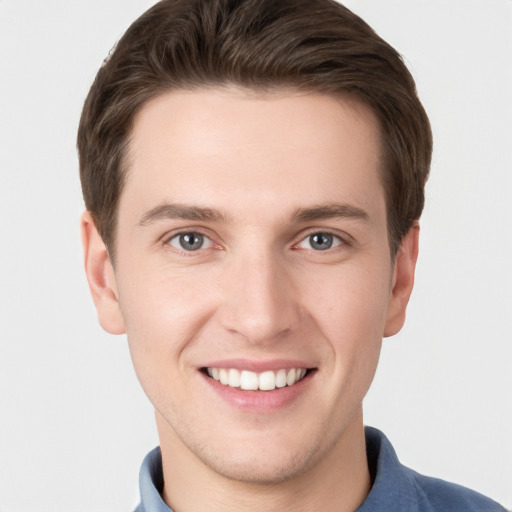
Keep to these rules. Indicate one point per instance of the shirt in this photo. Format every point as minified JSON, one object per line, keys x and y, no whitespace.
{"x":395,"y":488}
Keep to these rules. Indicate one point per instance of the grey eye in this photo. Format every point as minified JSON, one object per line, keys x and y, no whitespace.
{"x":320,"y":241}
{"x":190,"y":241}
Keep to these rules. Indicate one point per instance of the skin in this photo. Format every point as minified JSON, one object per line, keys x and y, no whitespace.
{"x":257,"y":290}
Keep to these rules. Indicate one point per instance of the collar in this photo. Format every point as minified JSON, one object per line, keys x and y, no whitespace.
{"x":393,"y":485}
{"x":151,"y":483}
{"x":395,"y":488}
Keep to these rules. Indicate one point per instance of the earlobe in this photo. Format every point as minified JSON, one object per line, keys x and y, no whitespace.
{"x":101,"y":277}
{"x":403,"y":281}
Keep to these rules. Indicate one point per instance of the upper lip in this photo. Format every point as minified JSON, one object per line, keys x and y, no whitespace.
{"x":257,"y":366}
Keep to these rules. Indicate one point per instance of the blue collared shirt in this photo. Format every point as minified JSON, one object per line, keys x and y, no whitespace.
{"x":395,"y":488}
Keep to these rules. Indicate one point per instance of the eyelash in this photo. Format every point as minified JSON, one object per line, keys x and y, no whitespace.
{"x":338,"y":241}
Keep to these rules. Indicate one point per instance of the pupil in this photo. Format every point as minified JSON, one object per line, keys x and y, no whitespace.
{"x":191,"y":241}
{"x":320,"y":241}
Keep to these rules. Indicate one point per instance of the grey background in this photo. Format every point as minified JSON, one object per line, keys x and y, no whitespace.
{"x":74,"y":425}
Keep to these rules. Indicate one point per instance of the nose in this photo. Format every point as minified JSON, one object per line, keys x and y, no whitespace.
{"x":259,"y":302}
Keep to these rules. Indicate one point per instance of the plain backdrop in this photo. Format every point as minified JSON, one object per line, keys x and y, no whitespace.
{"x":74,"y":425}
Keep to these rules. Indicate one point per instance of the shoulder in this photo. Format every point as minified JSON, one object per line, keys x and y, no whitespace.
{"x":441,"y":496}
{"x":398,"y":488}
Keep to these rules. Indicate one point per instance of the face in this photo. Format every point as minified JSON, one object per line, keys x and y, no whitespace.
{"x":253,"y":276}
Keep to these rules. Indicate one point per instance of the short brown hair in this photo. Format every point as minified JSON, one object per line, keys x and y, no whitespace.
{"x":315,"y":45}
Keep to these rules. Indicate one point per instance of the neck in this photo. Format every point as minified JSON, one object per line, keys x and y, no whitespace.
{"x":339,"y":482}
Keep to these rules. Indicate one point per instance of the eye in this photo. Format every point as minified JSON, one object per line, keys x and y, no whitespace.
{"x":320,"y":241}
{"x":191,"y":241}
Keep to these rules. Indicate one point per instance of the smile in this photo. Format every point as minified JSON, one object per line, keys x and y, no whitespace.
{"x":252,"y":381}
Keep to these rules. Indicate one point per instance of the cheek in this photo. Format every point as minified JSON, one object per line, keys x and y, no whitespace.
{"x":159,"y":301}
{"x":350,"y":312}
{"x":350,"y":303}
{"x":162,"y":318}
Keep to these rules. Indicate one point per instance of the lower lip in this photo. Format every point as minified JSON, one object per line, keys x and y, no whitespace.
{"x":259,"y":401}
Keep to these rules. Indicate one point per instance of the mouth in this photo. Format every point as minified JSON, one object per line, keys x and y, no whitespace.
{"x":268,"y":380}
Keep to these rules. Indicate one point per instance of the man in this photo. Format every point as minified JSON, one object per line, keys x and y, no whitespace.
{"x":253,"y":173}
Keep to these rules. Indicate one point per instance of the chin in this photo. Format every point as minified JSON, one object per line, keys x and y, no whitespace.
{"x":262,"y":464}
{"x":262,"y":472}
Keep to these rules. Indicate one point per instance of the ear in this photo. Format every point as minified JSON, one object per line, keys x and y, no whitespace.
{"x":403,"y":281}
{"x":101,"y":277}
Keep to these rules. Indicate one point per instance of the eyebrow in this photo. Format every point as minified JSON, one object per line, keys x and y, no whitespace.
{"x":330,"y":211}
{"x":180,"y":211}
{"x":201,"y":214}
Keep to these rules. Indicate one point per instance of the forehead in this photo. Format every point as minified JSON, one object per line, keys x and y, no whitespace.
{"x":240,"y":149}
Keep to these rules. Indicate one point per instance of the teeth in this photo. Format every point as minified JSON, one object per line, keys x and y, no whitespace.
{"x":290,"y":378}
{"x":223,"y":376}
{"x":248,"y":380}
{"x":233,"y":378}
{"x":281,"y":379}
{"x":252,"y":381}
{"x":267,"y":381}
